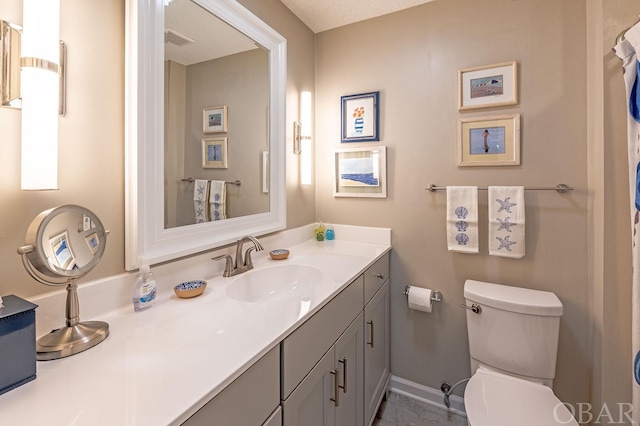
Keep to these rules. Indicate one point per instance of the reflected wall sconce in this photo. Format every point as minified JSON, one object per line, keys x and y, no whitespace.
{"x":32,"y":78}
{"x":302,"y":138}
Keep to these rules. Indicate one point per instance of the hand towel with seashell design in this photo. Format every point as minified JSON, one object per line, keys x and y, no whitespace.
{"x":462,"y":219}
{"x":506,"y":221}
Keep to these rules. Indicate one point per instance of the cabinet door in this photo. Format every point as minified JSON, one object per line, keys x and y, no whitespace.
{"x":376,"y":351}
{"x":275,"y":419}
{"x":349,"y":362}
{"x":248,"y":400}
{"x":311,"y":403}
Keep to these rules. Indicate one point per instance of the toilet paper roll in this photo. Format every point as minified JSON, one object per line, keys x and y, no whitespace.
{"x":420,"y":299}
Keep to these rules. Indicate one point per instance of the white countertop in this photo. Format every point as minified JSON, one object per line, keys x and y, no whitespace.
{"x":161,"y":365}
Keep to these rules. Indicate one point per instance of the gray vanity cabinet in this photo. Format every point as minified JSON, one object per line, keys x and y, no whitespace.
{"x":332,"y":393}
{"x":251,"y":399}
{"x":376,"y":351}
{"x":310,"y":404}
{"x":349,"y":366}
{"x":319,"y":357}
{"x":320,"y":360}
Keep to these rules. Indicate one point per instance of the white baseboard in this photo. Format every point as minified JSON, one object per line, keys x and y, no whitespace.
{"x":426,"y":394}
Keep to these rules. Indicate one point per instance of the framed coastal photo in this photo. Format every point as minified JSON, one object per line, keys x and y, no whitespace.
{"x":489,"y":141}
{"x":488,"y":86}
{"x":359,"y":117}
{"x":361,"y":172}
{"x":214,"y":119}
{"x":93,"y":242}
{"x":214,"y":153}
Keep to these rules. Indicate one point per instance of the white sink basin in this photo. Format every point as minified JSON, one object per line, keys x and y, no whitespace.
{"x":294,"y":282}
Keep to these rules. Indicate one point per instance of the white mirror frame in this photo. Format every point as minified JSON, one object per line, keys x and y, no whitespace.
{"x":145,"y":237}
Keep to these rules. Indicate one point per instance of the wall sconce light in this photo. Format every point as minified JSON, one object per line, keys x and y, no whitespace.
{"x":40,"y":90}
{"x":32,"y":78}
{"x":304,"y":142}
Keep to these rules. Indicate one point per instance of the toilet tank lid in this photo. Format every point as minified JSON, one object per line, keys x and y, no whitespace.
{"x":514,"y":299}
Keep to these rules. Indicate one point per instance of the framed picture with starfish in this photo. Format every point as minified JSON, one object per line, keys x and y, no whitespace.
{"x":489,"y":141}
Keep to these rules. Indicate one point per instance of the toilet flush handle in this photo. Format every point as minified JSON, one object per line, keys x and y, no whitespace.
{"x":475,"y":308}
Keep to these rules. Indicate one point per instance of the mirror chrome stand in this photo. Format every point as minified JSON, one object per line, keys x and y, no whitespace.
{"x":83,"y":232}
{"x":76,"y":336}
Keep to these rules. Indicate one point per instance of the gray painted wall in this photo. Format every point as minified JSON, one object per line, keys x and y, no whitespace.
{"x":412,"y":57}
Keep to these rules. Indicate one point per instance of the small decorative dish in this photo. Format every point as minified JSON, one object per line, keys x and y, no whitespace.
{"x":190,"y":289}
{"x":279,"y":254}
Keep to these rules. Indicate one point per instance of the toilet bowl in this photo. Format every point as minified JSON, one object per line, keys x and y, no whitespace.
{"x":496,"y":399}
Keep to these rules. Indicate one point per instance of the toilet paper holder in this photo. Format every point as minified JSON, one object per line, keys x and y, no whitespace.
{"x":436,"y":296}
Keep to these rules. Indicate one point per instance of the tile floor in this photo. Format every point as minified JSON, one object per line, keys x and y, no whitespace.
{"x":399,"y":410}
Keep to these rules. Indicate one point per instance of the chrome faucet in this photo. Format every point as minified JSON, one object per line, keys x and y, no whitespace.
{"x":241,"y":264}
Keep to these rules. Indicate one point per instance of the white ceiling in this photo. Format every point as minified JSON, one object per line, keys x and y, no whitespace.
{"x":213,"y":37}
{"x":322,"y":15}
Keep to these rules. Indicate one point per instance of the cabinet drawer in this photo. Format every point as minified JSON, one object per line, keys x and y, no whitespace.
{"x":305,"y":346}
{"x":248,"y":400}
{"x":375,"y":276}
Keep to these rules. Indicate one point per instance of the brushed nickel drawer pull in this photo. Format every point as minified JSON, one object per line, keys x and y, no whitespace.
{"x":381,"y":276}
{"x":343,"y":361}
{"x":336,"y":400}
{"x":370,"y":343}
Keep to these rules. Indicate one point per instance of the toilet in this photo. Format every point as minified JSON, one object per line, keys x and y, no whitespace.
{"x":513,"y":343}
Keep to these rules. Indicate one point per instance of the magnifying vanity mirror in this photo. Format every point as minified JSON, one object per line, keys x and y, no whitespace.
{"x":208,"y":79}
{"x":63,"y":244}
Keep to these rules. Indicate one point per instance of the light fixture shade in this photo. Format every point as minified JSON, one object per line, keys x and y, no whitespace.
{"x":305,"y":114}
{"x":306,"y":159}
{"x":40,"y":94}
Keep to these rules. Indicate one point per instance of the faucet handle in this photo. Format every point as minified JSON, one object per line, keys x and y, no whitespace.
{"x":228,"y":264}
{"x":248,"y":263}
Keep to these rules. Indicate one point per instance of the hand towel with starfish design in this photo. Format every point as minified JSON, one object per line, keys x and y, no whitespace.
{"x":201,"y":200}
{"x":506,"y":221}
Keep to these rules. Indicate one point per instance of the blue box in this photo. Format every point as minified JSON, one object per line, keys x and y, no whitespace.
{"x":17,"y":343}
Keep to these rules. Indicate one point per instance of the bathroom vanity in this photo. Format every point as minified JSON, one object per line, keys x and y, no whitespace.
{"x":333,"y":368}
{"x":313,"y":353}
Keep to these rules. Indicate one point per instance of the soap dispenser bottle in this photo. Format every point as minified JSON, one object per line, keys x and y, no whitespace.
{"x":144,"y":292}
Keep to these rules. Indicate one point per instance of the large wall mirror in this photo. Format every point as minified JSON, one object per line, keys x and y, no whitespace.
{"x":205,"y":131}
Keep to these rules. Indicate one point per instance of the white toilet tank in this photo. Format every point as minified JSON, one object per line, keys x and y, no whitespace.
{"x":516,"y":332}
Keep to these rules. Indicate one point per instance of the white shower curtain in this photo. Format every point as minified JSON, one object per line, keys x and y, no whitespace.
{"x":628,"y":50}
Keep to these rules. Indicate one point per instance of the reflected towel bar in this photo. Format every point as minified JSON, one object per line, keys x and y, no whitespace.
{"x":236,"y":182}
{"x":561,"y":188}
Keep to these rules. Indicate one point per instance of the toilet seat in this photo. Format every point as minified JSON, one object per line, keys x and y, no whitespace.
{"x":495,"y":399}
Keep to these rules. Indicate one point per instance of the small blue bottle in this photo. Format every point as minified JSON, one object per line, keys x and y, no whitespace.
{"x":330,"y":234}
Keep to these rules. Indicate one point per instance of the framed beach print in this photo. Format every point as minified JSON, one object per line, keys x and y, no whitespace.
{"x":214,"y":153}
{"x":93,"y":242}
{"x":214,"y":119}
{"x":488,"y":86}
{"x":361,"y":172}
{"x":359,"y":117}
{"x":489,"y":141}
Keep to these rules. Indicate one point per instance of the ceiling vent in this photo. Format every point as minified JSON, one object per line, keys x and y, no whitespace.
{"x":174,"y":37}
